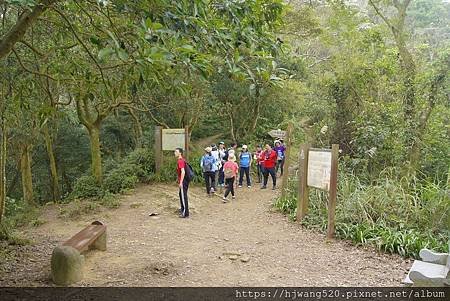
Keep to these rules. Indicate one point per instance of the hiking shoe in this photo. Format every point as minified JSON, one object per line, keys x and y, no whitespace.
{"x":224,"y":199}
{"x":240,"y":186}
{"x":273,"y":188}
{"x":212,"y":190}
{"x":183,"y":216}
{"x":263,"y":187}
{"x":249,"y":186}
{"x":233,"y":197}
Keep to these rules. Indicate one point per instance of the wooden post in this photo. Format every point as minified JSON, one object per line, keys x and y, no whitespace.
{"x":333,"y":191}
{"x":158,"y":148}
{"x":303,"y":190}
{"x":186,"y":143}
{"x":284,"y":184}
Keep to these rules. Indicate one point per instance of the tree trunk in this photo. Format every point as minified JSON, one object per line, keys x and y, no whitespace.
{"x":96,"y":156}
{"x":26,"y":20}
{"x":3,"y":171}
{"x":416,"y":147}
{"x":25,"y":168}
{"x":137,"y":128}
{"x":53,"y":170}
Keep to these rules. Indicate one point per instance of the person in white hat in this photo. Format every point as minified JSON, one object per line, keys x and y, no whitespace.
{"x":245,"y":161}
{"x":209,"y":167}
{"x":230,"y":169}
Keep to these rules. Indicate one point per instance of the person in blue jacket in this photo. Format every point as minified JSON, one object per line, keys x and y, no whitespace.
{"x":209,"y":166}
{"x":245,"y":161}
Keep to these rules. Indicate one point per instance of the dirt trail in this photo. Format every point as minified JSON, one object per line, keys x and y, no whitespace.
{"x":241,"y":243}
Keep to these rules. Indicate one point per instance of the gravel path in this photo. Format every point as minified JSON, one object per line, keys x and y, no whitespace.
{"x":241,"y":243}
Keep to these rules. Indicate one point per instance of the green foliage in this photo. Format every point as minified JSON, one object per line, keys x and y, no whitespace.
{"x":144,"y":159}
{"x":395,"y":214}
{"x":122,"y":178}
{"x":86,"y":187}
{"x":110,"y":200}
{"x":137,"y":166}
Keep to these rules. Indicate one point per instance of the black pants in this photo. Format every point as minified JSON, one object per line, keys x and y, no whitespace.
{"x":259,"y":171}
{"x":221,"y":176}
{"x":272,"y":173}
{"x":280,"y":165}
{"x":210,"y":180}
{"x":245,"y":170}
{"x":183,"y":194}
{"x":229,"y":183}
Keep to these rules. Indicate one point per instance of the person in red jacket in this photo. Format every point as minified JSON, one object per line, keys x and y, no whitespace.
{"x":269,"y":163}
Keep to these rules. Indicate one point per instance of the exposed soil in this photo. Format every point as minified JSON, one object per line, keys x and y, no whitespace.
{"x":241,"y":243}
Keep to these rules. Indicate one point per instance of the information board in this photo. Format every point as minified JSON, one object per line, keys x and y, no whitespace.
{"x":319,"y":169}
{"x":277,"y":134}
{"x":173,"y":138}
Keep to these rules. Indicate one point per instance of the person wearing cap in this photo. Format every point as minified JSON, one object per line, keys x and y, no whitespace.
{"x":245,"y":161}
{"x":209,"y":166}
{"x":280,"y":149}
{"x":230,"y":171}
{"x":223,"y":157}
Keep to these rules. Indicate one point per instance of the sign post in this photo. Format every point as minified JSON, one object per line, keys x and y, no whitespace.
{"x":277,"y":134}
{"x":158,"y":148}
{"x":186,"y":143}
{"x":333,"y":191}
{"x":169,"y":140}
{"x":303,"y":189}
{"x":318,"y":169}
{"x":284,"y":184}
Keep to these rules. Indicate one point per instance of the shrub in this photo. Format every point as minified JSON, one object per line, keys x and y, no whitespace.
{"x":398,"y":215}
{"x":86,"y":187}
{"x":144,"y":159}
{"x":110,"y":200}
{"x":121,"y":178}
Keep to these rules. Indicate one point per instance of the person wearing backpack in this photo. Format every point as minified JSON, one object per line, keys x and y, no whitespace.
{"x":230,"y":169}
{"x":245,"y":161}
{"x":208,"y":165}
{"x":223,"y":157}
{"x":184,"y":174}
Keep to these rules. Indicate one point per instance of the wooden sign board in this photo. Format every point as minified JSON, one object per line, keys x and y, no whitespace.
{"x":319,"y":169}
{"x":169,"y":140}
{"x":173,"y":138}
{"x":278,"y":134}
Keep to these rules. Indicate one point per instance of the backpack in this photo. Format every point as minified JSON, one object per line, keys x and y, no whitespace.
{"x":228,"y":172}
{"x":208,"y":162}
{"x":189,"y":175}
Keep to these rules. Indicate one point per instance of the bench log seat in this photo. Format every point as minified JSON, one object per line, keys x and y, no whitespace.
{"x":67,"y":260}
{"x":433,"y":270}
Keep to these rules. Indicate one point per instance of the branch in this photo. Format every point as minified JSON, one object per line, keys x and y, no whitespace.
{"x":152,"y":116}
{"x":378,"y":11}
{"x":38,"y":52}
{"x":29,"y":70}
{"x":84,"y":46}
{"x":17,"y":32}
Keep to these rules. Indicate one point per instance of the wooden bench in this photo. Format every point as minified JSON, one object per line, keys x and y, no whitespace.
{"x":67,"y":261}
{"x":433,"y":270}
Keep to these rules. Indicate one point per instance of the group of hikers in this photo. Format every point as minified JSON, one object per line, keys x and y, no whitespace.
{"x":220,"y":165}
